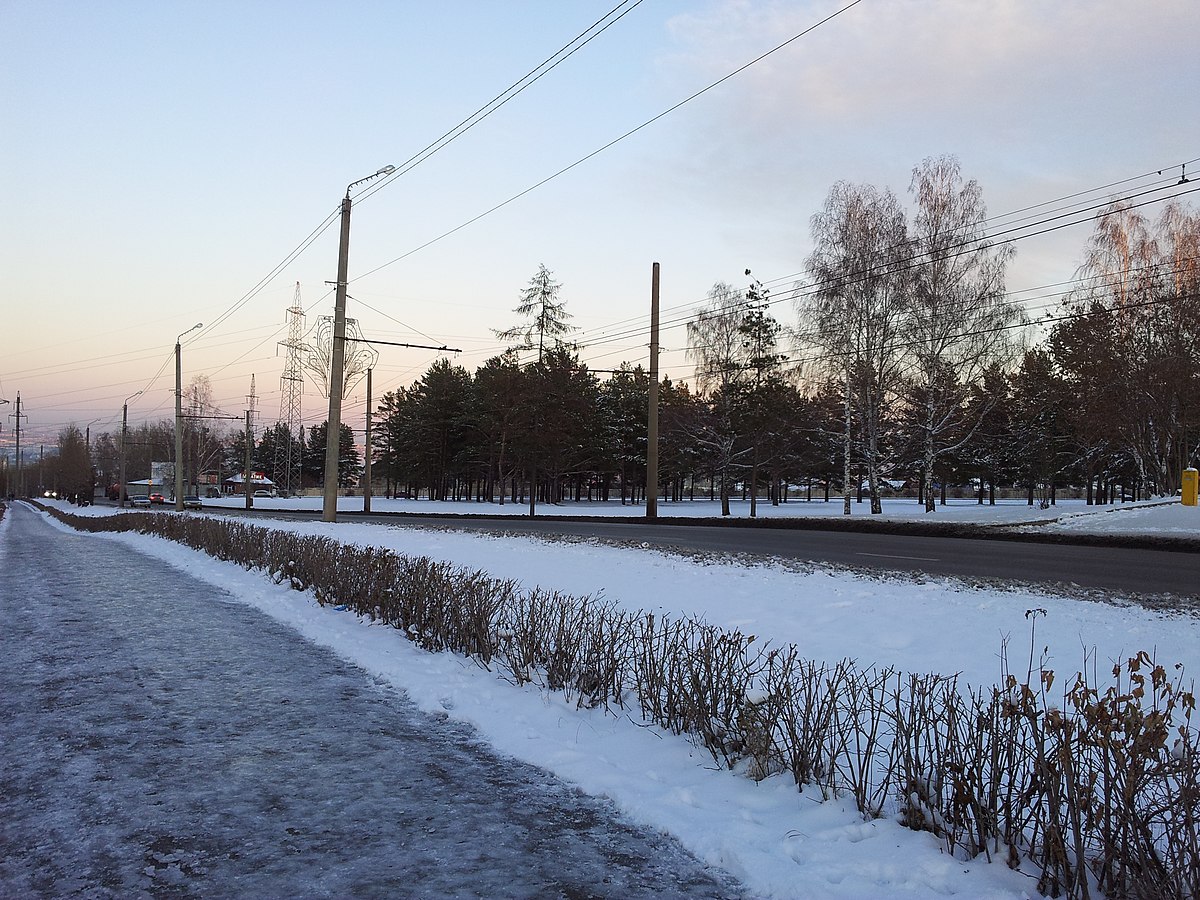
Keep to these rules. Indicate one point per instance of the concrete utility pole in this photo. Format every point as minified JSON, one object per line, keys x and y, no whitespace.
{"x":4,"y":459}
{"x":246,"y":474}
{"x":124,"y":432}
{"x":333,"y":427}
{"x":20,"y":480}
{"x":179,"y":420}
{"x":367,"y":465}
{"x":652,"y":422}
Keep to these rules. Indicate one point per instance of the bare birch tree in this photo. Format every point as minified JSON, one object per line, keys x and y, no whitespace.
{"x":1131,"y":275}
{"x":957,"y":312}
{"x":716,"y":345}
{"x":715,"y":338}
{"x":856,"y":318}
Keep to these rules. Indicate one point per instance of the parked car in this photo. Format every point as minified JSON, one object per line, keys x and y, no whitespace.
{"x":157,"y":498}
{"x":264,"y":494}
{"x":139,"y":500}
{"x":212,"y":494}
{"x":192,"y":502}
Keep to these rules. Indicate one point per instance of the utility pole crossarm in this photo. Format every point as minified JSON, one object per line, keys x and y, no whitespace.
{"x":443,"y":348}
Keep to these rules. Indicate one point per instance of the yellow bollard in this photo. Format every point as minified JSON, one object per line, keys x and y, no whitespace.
{"x":1191,"y":483}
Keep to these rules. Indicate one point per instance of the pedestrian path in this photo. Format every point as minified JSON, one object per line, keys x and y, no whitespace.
{"x":161,"y":739}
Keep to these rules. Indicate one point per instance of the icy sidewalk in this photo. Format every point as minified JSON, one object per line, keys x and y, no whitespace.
{"x":159,"y":740}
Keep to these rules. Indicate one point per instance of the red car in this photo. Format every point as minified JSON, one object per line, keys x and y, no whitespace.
{"x":157,"y":498}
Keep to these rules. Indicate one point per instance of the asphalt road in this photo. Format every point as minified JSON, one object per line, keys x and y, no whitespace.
{"x":162,"y":740}
{"x":1118,"y":569}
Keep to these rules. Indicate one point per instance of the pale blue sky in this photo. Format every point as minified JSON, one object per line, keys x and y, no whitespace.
{"x":158,"y":159}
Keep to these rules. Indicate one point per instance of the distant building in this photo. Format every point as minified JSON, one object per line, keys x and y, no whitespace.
{"x":235,"y":484}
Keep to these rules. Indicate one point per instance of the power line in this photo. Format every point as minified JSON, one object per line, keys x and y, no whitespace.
{"x":636,"y":325}
{"x":547,"y":65}
{"x":611,"y":143}
{"x":798,"y":292}
{"x":279,"y":267}
{"x":569,"y":49}
{"x":992,"y":220}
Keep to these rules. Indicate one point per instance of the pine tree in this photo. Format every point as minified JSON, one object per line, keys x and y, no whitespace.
{"x":546,"y":313}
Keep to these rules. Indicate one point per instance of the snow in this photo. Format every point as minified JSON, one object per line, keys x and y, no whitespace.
{"x":778,"y":842}
{"x":1004,"y":512}
{"x":163,"y":740}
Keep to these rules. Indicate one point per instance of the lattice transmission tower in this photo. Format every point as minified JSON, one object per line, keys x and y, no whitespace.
{"x":291,"y":383}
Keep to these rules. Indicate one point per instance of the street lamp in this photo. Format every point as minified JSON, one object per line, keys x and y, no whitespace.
{"x":179,"y":420}
{"x":124,"y":431}
{"x":333,"y":427}
{"x":2,"y":402}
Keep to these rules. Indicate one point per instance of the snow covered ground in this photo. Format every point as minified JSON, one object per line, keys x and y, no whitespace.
{"x":1149,"y":516}
{"x":776,"y":841}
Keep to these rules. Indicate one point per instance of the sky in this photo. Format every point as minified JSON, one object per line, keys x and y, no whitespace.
{"x":158,"y":162}
{"x":778,"y":842}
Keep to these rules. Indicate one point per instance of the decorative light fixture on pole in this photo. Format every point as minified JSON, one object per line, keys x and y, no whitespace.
{"x":333,"y":427}
{"x":124,"y":432}
{"x":179,"y":421}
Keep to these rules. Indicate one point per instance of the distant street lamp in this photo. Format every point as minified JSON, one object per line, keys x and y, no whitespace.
{"x":124,"y":431}
{"x":87,"y":435}
{"x":5,"y":460}
{"x":333,"y":428}
{"x":179,"y":420}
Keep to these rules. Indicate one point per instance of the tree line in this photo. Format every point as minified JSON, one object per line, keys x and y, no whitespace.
{"x":908,"y":366}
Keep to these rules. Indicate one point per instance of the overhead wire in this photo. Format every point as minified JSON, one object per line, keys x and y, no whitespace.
{"x":547,"y":65}
{"x":636,"y":324}
{"x":638,"y":329}
{"x":611,"y":143}
{"x":963,"y":247}
{"x":577,"y":43}
{"x":487,"y":109}
{"x":279,"y":267}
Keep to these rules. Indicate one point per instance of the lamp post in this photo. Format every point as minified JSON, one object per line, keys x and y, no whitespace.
{"x":87,"y":443}
{"x":333,"y":427}
{"x":179,"y":420}
{"x":124,"y":431}
{"x":20,"y":479}
{"x":6,"y":490}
